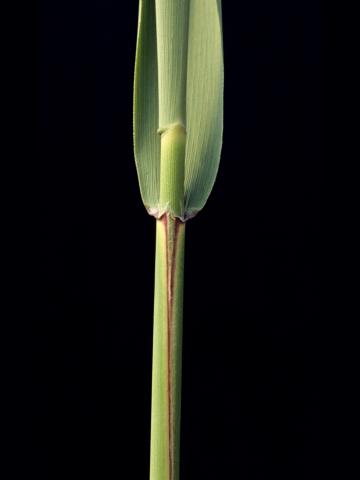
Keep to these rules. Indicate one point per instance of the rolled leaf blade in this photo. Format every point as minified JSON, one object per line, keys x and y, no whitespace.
{"x":172,"y":20}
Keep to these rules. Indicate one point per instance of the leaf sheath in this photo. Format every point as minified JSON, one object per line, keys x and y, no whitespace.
{"x":167,"y":349}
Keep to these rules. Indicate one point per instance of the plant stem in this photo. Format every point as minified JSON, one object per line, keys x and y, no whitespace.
{"x":167,"y":349}
{"x":168,"y":306}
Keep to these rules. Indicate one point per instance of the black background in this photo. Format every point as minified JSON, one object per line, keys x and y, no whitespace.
{"x":251,"y":286}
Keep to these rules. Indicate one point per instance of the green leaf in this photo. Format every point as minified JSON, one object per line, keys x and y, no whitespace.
{"x":204,"y":102}
{"x":192,"y":97}
{"x":146,"y":109}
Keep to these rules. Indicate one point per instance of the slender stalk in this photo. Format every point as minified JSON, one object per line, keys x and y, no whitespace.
{"x":168,"y":306}
{"x":167,"y":349}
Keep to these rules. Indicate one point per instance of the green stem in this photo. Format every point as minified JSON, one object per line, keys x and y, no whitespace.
{"x":172,"y":169}
{"x":168,"y":306}
{"x":167,"y":349}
